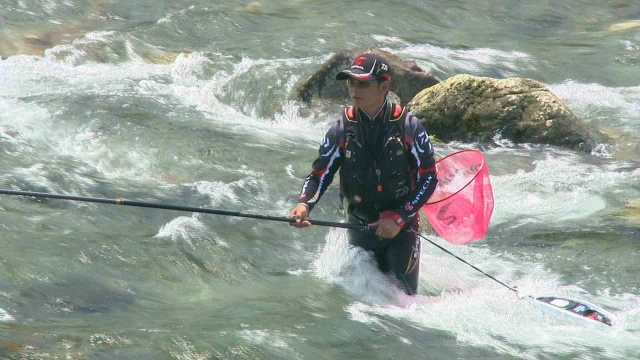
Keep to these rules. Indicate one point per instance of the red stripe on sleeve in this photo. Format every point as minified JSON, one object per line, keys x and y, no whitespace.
{"x":424,"y":171}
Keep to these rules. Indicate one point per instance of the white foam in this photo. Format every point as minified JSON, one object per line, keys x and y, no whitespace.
{"x":613,"y":106}
{"x":265,"y":337}
{"x":5,"y":316}
{"x":270,"y":338}
{"x":185,"y":228}
{"x":21,"y":76}
{"x":596,"y":95}
{"x":353,"y":269}
{"x":96,"y":36}
{"x":220,"y":192}
{"x":469,"y":60}
{"x":390,"y":39}
{"x":217,"y":191}
{"x":558,"y":189}
{"x":484,"y":316}
{"x":189,"y":69}
{"x":33,"y":125}
{"x":204,"y":94}
{"x":68,"y":54}
{"x":34,"y":175}
{"x":290,"y":172}
{"x":475,"y":309}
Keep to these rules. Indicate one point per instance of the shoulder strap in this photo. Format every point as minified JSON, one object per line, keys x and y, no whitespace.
{"x":397,"y":111}
{"x":350,"y":113}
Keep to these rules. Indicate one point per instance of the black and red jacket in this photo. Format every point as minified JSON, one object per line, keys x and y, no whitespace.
{"x":386,"y":164}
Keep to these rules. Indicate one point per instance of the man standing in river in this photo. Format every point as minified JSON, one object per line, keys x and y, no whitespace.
{"x":387,"y":171}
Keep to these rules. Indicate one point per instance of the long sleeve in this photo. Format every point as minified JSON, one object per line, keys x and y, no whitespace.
{"x":324,"y":167}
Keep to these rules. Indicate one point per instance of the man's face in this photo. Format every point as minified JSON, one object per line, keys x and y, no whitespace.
{"x":364,"y":94}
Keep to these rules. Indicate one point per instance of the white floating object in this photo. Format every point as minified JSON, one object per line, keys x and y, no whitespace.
{"x":574,"y":309}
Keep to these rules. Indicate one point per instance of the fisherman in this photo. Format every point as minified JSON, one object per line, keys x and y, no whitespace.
{"x":387,"y":171}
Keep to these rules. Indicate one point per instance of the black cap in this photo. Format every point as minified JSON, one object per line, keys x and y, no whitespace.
{"x":367,"y":67}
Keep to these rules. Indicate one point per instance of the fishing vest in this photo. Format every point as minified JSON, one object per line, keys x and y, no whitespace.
{"x":376,"y":181}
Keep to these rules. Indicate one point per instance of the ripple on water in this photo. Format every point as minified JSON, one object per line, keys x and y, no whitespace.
{"x":76,"y":293}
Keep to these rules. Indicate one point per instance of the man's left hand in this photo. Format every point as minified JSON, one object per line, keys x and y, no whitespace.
{"x":387,"y":228}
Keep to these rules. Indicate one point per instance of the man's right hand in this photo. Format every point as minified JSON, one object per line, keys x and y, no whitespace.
{"x":301,"y":214}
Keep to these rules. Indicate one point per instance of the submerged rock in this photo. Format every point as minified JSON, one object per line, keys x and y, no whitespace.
{"x":626,"y":148}
{"x":33,"y":40}
{"x":252,"y":7}
{"x":623,"y":26}
{"x":631,"y":211}
{"x":79,"y":294}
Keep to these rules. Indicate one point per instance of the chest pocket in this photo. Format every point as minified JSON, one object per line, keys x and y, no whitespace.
{"x":395,"y":172}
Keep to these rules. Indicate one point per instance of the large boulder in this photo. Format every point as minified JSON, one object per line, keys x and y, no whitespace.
{"x":470,"y":108}
{"x":407,"y":78}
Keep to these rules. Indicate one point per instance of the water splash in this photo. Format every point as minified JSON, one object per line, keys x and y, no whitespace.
{"x":477,"y":311}
{"x":557,"y":190}
{"x":5,"y":316}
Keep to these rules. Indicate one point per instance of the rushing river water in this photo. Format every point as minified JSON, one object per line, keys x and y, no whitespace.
{"x":186,"y":102}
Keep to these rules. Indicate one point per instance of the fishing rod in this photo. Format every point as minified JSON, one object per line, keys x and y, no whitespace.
{"x":120,"y":201}
{"x":514,"y":289}
{"x":577,"y":309}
